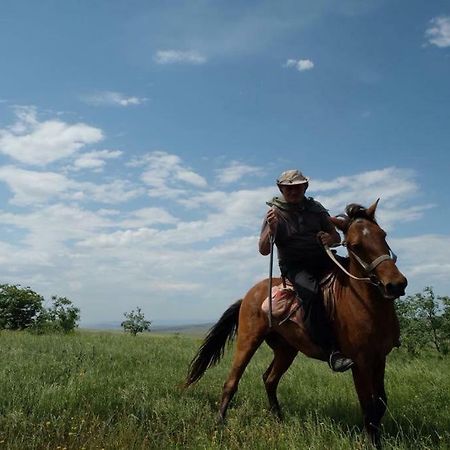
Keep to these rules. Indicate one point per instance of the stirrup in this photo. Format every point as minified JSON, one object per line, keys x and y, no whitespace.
{"x":338,"y":362}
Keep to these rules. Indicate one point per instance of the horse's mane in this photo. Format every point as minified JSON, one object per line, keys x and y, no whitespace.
{"x":355,"y":211}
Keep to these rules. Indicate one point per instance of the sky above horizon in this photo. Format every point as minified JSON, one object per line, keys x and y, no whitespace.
{"x":139,"y":141}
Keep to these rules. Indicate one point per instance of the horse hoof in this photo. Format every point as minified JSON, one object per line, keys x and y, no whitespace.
{"x":375,"y":440}
{"x":277,"y":413}
{"x":279,"y":416}
{"x":220,"y":420}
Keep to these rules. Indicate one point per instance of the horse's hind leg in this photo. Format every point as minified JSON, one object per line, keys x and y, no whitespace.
{"x":248,"y":341}
{"x":284,"y":355}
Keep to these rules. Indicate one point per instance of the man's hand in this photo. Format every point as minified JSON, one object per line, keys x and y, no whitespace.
{"x":326,"y":238}
{"x":272,"y":220}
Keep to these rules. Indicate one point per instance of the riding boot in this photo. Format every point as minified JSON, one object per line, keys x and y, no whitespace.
{"x":338,"y":362}
{"x":320,"y":330}
{"x":315,"y":317}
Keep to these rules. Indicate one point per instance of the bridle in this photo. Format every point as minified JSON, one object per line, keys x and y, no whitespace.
{"x":368,"y":267}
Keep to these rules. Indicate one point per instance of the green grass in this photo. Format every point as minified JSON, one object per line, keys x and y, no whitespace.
{"x":113,"y":391}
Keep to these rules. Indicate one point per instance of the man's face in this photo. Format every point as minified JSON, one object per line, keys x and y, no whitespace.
{"x":294,"y":193}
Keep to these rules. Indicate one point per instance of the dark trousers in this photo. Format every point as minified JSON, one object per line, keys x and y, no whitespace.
{"x":306,"y":284}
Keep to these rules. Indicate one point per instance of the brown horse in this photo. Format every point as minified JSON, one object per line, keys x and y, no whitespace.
{"x":364,"y":323}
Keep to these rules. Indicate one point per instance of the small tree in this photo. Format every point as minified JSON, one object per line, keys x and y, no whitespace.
{"x":20,"y":307}
{"x":135,"y":322}
{"x":424,"y":320}
{"x":429,"y":311}
{"x":63,"y":315}
{"x":446,"y":323}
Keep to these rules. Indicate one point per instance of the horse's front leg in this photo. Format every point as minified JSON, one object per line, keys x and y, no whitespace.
{"x":368,"y":375}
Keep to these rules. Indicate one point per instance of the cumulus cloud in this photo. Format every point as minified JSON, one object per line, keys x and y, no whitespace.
{"x":236,"y":171}
{"x":301,"y":65}
{"x":146,"y":217}
{"x":217,"y":214}
{"x":35,"y":188}
{"x":117,"y":191}
{"x":39,"y":143}
{"x":95,"y":160}
{"x":31,"y":187}
{"x":424,"y":259}
{"x":111,"y":98}
{"x":165,"y":173}
{"x":179,"y":56}
{"x":47,"y":236}
{"x":65,"y":243}
{"x":394,"y":186}
{"x":438,"y":32}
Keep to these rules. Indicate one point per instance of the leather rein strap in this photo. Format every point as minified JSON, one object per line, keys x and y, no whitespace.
{"x":367,"y":267}
{"x":333,"y":258}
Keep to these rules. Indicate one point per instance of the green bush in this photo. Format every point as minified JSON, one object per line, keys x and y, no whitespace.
{"x":63,"y":314}
{"x":135,"y":322}
{"x":20,"y":307}
{"x":424,"y":321}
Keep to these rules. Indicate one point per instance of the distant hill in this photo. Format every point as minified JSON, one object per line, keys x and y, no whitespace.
{"x":191,"y":329}
{"x":199,"y":329}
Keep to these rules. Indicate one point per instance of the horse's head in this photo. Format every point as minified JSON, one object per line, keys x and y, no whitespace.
{"x":367,"y":247}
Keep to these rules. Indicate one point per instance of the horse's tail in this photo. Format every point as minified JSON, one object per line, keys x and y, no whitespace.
{"x":213,"y":346}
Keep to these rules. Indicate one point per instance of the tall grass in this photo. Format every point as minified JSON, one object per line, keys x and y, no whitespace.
{"x":113,"y":391}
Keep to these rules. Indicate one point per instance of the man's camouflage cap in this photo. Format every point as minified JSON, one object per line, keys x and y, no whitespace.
{"x":290,"y":177}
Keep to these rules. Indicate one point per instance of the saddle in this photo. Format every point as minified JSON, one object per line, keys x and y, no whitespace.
{"x":286,"y":305}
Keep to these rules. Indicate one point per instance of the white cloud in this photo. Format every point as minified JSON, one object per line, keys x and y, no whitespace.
{"x":117,"y":191}
{"x":30,"y":187}
{"x":145,"y":217}
{"x":121,"y":238}
{"x":111,"y":98}
{"x":39,"y":143}
{"x":36,"y":188}
{"x":95,"y":160}
{"x":394,"y":186}
{"x":47,"y":230}
{"x":108,"y":260}
{"x":166,"y":175}
{"x":218,"y":214}
{"x":236,"y":171}
{"x":438,"y":33}
{"x":301,"y":65}
{"x":424,"y":259}
{"x":179,"y":56}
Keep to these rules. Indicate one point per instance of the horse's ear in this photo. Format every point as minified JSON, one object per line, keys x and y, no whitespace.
{"x":341,"y":223}
{"x":371,"y":210}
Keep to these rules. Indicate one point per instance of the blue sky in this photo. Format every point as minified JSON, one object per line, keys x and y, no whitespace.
{"x":140,"y":140}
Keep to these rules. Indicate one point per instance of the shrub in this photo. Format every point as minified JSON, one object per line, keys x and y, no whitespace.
{"x":20,"y":307}
{"x":135,"y":322}
{"x":63,"y":315}
{"x":424,"y":321}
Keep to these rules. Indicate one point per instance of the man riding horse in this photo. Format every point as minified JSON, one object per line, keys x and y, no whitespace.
{"x":363,"y":320}
{"x":300,"y":227}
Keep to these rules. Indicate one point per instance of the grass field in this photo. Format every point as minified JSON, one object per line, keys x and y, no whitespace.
{"x":107,"y":390}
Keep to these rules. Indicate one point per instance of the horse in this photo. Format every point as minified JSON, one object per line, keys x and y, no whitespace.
{"x":364,"y":323}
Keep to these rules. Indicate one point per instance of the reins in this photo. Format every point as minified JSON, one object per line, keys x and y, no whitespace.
{"x":367,"y":267}
{"x":333,"y":258}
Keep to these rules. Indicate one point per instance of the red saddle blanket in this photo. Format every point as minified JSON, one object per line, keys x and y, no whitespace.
{"x":286,"y":306}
